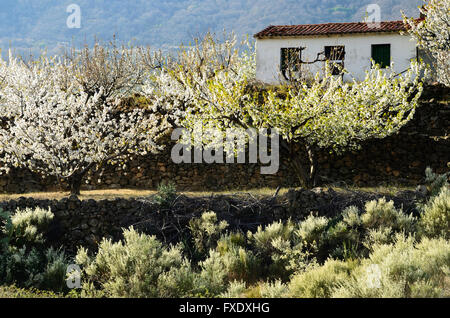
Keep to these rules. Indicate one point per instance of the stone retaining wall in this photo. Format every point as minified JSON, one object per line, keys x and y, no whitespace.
{"x":84,"y":223}
{"x":401,"y":158}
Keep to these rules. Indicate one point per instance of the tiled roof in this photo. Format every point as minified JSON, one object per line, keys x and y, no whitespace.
{"x":329,"y":28}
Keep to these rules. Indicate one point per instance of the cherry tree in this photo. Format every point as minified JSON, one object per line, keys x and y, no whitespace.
{"x":57,"y":121}
{"x":433,"y":35}
{"x":324,"y":114}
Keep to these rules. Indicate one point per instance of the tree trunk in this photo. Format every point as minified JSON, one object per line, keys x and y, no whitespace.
{"x":313,"y":166}
{"x":75,"y":183}
{"x":305,"y":173}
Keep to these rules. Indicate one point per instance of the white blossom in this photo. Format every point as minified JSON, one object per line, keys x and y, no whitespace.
{"x":52,"y":125}
{"x":433,"y":35}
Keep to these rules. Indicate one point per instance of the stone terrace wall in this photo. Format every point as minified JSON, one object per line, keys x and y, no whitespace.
{"x":84,"y":223}
{"x":401,"y":158}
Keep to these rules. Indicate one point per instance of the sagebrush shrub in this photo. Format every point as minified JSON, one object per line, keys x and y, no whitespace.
{"x":30,"y":225}
{"x":206,"y":231}
{"x":403,"y":269}
{"x":23,"y":259}
{"x":272,"y":245}
{"x":435,"y":182}
{"x":213,"y":275}
{"x":235,"y":290}
{"x":134,"y":267}
{"x":382,"y":214}
{"x":264,"y":236}
{"x":55,"y":271}
{"x":312,"y":229}
{"x":34,"y":268}
{"x":228,"y":263}
{"x":6,"y":229}
{"x":374,"y":237}
{"x":320,"y":282}
{"x":276,"y":289}
{"x":177,"y":282}
{"x":435,"y":219}
{"x":344,"y":238}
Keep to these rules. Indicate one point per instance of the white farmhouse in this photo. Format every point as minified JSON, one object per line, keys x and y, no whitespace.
{"x":283,"y":52}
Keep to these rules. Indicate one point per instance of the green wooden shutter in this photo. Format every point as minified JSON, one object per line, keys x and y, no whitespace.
{"x":381,"y":54}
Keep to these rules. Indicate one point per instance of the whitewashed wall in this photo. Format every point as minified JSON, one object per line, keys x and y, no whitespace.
{"x":358,"y":49}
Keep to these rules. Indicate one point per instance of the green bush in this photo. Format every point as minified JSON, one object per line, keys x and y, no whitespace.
{"x":235,"y":290}
{"x":24,"y":227}
{"x":137,"y":267}
{"x":6,"y":230}
{"x":228,"y":263}
{"x":382,"y":214}
{"x":403,"y":269}
{"x":435,"y":182}
{"x":29,"y":226}
{"x":312,"y":230}
{"x":274,"y":289}
{"x":33,"y":268}
{"x":344,"y":237}
{"x":368,"y":253}
{"x":167,"y":193}
{"x":273,"y":245}
{"x":435,"y":219}
{"x":206,"y":231}
{"x":320,"y":282}
{"x":23,"y":259}
{"x":374,"y":237}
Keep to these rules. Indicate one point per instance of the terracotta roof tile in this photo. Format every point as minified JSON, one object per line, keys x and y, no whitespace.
{"x":329,"y":28}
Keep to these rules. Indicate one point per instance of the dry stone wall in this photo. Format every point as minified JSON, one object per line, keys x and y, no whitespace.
{"x":401,"y":159}
{"x":86,"y":222}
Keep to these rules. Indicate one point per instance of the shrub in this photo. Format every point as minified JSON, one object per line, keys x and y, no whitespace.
{"x":378,"y":236}
{"x":177,"y":281}
{"x":33,"y":268}
{"x":228,"y":263}
{"x":319,"y":282}
{"x":382,"y":214}
{"x":23,"y":259}
{"x":167,"y":193}
{"x":6,"y":229}
{"x":206,"y":230}
{"x":235,"y":290}
{"x":435,"y":220}
{"x":312,"y":230}
{"x":273,"y":245}
{"x":212,"y":278}
{"x":135,"y":267}
{"x":55,"y":271}
{"x":344,"y":238}
{"x":274,"y":289}
{"x":435,"y":182}
{"x":264,"y":236}
{"x":30,"y":225}
{"x":403,"y":269}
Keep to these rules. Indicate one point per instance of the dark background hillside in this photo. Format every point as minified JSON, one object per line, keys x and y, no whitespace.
{"x":166,"y":23}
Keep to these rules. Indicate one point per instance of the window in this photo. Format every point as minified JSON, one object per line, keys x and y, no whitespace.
{"x":381,"y":54}
{"x":335,"y":56}
{"x":290,"y":62}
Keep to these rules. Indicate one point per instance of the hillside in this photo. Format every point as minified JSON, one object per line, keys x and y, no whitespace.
{"x":167,"y":23}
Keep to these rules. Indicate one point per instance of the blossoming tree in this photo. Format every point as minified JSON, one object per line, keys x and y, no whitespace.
{"x":433,"y":35}
{"x":323,"y":114}
{"x":56,"y":124}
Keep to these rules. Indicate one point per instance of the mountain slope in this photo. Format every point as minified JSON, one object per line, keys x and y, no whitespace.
{"x":166,"y":23}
